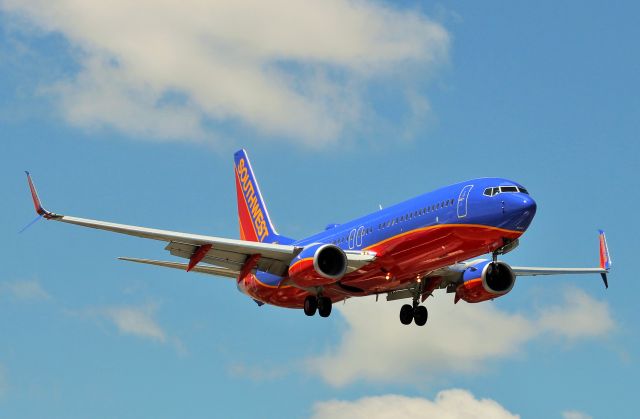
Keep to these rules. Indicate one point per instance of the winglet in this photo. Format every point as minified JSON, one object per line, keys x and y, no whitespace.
{"x":36,"y":200}
{"x":605,"y":259}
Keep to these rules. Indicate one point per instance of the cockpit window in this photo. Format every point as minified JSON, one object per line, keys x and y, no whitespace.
{"x":508,"y":189}
{"x":504,"y":189}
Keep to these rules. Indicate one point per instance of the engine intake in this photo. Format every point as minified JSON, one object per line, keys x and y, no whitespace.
{"x":485,"y":281}
{"x":318,"y":264}
{"x":498,"y":278}
{"x":330,"y":262}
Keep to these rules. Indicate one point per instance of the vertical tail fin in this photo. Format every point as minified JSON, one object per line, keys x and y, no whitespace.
{"x":255,"y":224}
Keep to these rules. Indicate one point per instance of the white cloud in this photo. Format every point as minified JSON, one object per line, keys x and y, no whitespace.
{"x":574,"y":414}
{"x":448,"y":404}
{"x":24,"y":290}
{"x":136,"y":321}
{"x":462,"y":338}
{"x":582,"y":316}
{"x":166,"y":70}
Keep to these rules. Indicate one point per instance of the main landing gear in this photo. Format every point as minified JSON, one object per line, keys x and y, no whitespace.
{"x":319,"y":303}
{"x":415,"y":312}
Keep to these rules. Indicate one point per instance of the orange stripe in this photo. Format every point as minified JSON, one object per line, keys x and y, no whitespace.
{"x":472,"y":281}
{"x":300,"y":261}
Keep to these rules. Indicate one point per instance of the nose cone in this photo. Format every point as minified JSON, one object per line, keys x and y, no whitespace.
{"x":520,"y":208}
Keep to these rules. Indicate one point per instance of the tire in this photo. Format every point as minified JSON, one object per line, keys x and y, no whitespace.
{"x":310,"y":305}
{"x":406,"y":314}
{"x":324,"y":306}
{"x":420,"y":315}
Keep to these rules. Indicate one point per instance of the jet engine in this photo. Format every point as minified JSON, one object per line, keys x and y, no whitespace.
{"x":485,"y":280}
{"x":318,"y":264}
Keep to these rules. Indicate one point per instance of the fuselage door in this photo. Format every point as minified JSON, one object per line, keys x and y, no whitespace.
{"x":462,"y":201}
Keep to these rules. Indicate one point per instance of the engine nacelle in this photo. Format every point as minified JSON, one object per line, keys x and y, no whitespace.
{"x":318,"y":264}
{"x":485,"y":281}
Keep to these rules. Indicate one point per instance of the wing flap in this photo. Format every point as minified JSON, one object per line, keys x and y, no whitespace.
{"x":228,"y":259}
{"x":205,"y":269}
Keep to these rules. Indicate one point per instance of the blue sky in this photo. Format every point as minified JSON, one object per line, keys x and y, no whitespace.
{"x":132,"y":114}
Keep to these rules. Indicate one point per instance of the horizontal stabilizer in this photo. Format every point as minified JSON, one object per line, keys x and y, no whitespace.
{"x":204,"y":269}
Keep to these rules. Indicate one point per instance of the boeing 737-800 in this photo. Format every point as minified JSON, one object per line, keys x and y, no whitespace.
{"x":404,"y":251}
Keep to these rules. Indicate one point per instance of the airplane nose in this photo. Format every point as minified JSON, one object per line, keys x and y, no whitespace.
{"x":520,"y":208}
{"x":528,"y":204}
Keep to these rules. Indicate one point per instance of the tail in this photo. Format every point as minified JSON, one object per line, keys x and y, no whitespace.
{"x":255,"y":224}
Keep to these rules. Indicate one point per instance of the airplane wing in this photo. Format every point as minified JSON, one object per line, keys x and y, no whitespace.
{"x":534,"y":271}
{"x":450,"y":277}
{"x":603,"y":269}
{"x":228,"y":257}
{"x":224,"y":253}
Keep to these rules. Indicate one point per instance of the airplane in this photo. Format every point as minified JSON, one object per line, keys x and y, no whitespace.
{"x":405,"y":251}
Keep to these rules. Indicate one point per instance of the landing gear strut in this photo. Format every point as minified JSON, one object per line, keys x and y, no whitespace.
{"x":415,"y":312}
{"x":320,"y":303}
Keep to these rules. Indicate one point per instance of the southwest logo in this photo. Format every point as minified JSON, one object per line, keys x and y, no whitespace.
{"x":257,"y":217}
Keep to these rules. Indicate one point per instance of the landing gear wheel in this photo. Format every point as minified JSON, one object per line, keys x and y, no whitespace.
{"x":324,"y":306}
{"x":406,"y":314}
{"x":420,"y":315}
{"x":310,"y":305}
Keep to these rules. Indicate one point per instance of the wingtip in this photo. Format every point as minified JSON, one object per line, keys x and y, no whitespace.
{"x":36,"y":199}
{"x":605,"y":257}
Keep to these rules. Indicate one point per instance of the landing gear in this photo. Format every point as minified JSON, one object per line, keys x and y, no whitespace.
{"x":420,"y":315}
{"x":415,"y":312}
{"x":321,"y":304}
{"x":310,"y":305}
{"x":406,"y":314}
{"x":324,"y":306}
